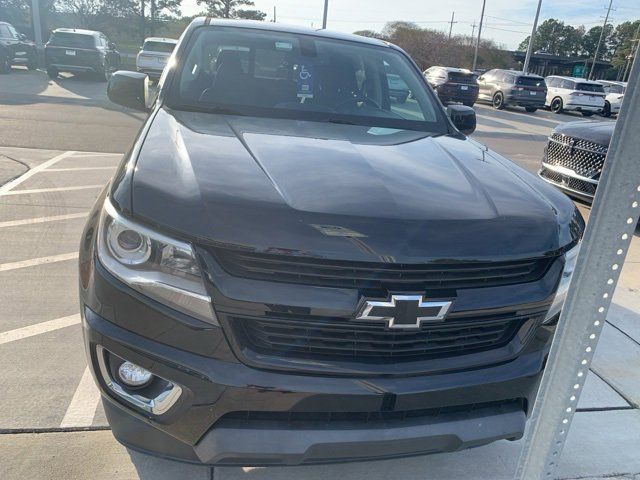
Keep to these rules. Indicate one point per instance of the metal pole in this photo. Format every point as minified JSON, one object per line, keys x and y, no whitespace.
{"x":37,"y":31}
{"x":527,"y":58}
{"x":452,"y":22}
{"x":475,"y":54}
{"x":634,"y":54}
{"x":274,"y":14}
{"x":604,"y":27}
{"x":606,"y":242}
{"x":324,"y":16}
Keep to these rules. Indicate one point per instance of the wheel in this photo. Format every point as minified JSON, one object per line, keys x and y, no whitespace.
{"x":556,"y":105}
{"x":606,"y":111}
{"x":5,"y":64}
{"x":586,"y":114}
{"x":498,"y":101}
{"x":468,"y":104}
{"x":103,"y":74}
{"x":52,"y":72}
{"x":530,"y":109}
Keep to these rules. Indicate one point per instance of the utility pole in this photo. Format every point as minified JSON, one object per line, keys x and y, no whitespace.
{"x":473,"y":31}
{"x":324,"y":17}
{"x":604,"y":27}
{"x":527,"y":58}
{"x":475,"y":54}
{"x":451,"y":23}
{"x":274,"y":14}
{"x":152,"y":17}
{"x":634,"y":54}
{"x":37,"y":28}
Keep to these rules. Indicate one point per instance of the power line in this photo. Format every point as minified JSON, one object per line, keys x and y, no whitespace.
{"x":505,"y":30}
{"x":509,"y":20}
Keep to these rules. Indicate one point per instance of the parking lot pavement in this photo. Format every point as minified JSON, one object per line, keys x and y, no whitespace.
{"x":51,"y":421}
{"x":68,"y":113}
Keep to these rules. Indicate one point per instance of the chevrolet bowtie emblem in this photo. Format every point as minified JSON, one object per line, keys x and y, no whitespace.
{"x":404,"y":311}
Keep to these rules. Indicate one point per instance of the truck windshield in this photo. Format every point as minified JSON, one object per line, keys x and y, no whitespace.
{"x":305,"y":77}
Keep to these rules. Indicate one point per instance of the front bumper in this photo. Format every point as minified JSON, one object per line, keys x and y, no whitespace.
{"x":461,"y":409}
{"x":569,"y":182}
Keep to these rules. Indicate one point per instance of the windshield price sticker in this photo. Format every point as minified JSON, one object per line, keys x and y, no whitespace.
{"x":305,"y":81}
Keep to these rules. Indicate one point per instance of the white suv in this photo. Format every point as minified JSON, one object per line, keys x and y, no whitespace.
{"x":154,"y":55}
{"x":579,"y":94}
{"x":615,"y":94}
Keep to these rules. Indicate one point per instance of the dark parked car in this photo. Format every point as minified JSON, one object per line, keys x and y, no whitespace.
{"x":574,"y":157}
{"x":15,"y":49}
{"x":503,"y":88}
{"x":80,"y":51}
{"x":453,"y":84}
{"x":289,"y":267}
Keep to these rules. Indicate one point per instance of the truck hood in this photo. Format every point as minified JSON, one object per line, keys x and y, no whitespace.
{"x":342,"y":191}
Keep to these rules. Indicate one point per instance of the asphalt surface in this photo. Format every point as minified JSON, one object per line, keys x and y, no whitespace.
{"x":59,"y":144}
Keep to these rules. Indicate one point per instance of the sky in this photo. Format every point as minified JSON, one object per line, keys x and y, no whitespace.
{"x":507,"y":22}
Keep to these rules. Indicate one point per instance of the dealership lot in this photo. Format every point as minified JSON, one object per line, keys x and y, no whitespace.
{"x":59,"y":144}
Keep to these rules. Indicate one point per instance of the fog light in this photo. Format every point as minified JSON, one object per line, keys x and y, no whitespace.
{"x":133,"y":376}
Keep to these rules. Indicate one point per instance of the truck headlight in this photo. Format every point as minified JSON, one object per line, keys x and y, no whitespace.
{"x":563,"y":287}
{"x":160,"y":267}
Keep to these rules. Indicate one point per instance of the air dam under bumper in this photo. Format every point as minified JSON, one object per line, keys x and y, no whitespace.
{"x":228,"y":445}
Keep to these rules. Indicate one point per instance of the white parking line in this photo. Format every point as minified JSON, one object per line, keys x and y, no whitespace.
{"x":52,"y":218}
{"x":56,"y":189}
{"x":32,"y":262}
{"x":78,"y":169}
{"x":5,"y":189}
{"x":38,"y":328}
{"x":83,"y":405}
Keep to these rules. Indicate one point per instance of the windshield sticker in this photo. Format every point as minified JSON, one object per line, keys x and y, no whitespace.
{"x":286,"y":46}
{"x":305,"y":81}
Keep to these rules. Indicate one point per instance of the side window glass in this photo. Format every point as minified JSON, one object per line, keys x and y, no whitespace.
{"x":4,"y":31}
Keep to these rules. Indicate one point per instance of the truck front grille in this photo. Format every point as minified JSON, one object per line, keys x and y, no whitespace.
{"x":389,"y":276}
{"x":583,"y":157}
{"x":326,"y":338}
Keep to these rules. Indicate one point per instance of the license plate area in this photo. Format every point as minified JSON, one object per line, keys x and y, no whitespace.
{"x":71,"y":53}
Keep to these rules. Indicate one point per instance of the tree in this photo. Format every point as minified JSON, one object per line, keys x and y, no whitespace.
{"x":592,"y":37}
{"x":556,"y":38}
{"x":431,"y":47}
{"x":623,"y":43}
{"x":232,"y":9}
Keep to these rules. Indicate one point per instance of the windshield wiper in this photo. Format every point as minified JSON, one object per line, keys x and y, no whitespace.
{"x":341,"y":121}
{"x":207,"y":109}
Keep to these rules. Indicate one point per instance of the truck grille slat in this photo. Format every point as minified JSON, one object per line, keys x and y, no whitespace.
{"x":339,"y":338}
{"x":370,"y":275}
